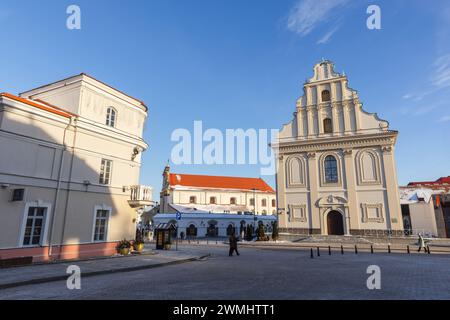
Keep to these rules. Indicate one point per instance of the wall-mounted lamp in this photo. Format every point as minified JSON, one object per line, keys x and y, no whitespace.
{"x":136,"y":152}
{"x":86,"y":183}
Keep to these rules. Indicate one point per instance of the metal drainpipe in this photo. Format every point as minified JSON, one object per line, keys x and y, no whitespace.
{"x":58,"y":188}
{"x":63,"y":231}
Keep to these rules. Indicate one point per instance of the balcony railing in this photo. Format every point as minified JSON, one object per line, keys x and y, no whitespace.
{"x":140,"y":196}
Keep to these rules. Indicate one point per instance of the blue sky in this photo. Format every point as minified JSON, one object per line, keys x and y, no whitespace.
{"x":241,"y":64}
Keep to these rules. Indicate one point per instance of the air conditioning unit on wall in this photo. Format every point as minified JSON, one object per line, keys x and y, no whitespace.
{"x":18,"y":195}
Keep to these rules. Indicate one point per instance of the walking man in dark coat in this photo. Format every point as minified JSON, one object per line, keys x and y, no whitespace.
{"x":233,"y":245}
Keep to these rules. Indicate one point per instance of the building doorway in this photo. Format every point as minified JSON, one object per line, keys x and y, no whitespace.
{"x":335,"y":223}
{"x":231,"y":230}
{"x":213,"y":229}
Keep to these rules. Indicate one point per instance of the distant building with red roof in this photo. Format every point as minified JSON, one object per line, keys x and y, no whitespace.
{"x":426,"y":204}
{"x":440,"y":184}
{"x":216,"y":194}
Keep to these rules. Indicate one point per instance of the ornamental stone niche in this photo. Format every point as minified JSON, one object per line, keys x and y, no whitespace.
{"x":336,"y":165}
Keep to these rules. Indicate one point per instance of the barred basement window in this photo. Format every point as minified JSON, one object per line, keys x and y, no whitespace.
{"x":105,"y":172}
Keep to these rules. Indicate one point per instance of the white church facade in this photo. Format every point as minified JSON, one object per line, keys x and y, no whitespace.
{"x":336,"y":167}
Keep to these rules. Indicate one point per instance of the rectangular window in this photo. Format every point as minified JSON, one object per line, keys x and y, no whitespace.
{"x":34,"y":227}
{"x":274,"y":203}
{"x":212,"y":200}
{"x":105,"y":172}
{"x":232,"y":200}
{"x":252,"y":201}
{"x":263,"y":202}
{"x":111,"y":117}
{"x":193,"y":199}
{"x":101,"y":225}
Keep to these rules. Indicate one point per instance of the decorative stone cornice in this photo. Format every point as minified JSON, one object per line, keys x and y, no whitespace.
{"x":311,"y":155}
{"x":324,"y":105}
{"x":386,"y":148}
{"x":385,"y":139}
{"x":347,"y":152}
{"x":335,"y":104}
{"x":347,"y":106}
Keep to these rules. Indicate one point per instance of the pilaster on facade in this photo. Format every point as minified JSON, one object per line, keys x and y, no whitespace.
{"x":335,"y":116}
{"x":346,"y":108}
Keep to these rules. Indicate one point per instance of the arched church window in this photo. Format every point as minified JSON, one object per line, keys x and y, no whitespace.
{"x":326,"y":96}
{"x":327,"y":125}
{"x":331,"y":170}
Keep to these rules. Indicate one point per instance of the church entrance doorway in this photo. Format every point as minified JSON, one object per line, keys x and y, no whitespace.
{"x":335,"y":223}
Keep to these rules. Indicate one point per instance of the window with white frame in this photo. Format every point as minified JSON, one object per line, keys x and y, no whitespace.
{"x":105,"y":172}
{"x":111,"y":116}
{"x":34,"y":227}
{"x":101,"y":225}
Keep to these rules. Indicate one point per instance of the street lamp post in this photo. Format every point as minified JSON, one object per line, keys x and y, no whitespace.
{"x":255,"y":218}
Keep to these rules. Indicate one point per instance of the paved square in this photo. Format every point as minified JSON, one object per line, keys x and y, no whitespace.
{"x":264,"y":274}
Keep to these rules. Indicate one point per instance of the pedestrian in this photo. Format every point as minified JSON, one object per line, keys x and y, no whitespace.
{"x":421,"y":244}
{"x":233,"y":245}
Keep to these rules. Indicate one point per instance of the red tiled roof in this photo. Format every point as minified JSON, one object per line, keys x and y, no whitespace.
{"x":440,"y":181}
{"x":40,"y":105}
{"x":219,"y":182}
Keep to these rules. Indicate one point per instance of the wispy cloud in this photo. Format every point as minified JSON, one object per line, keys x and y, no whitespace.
{"x":425,"y":110}
{"x":444,"y":119}
{"x":328,"y":35}
{"x":306,"y":15}
{"x":441,"y":77}
{"x":438,"y":80}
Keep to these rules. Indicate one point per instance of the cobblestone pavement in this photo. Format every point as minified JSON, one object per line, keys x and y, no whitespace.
{"x":44,"y":272}
{"x":260,"y":274}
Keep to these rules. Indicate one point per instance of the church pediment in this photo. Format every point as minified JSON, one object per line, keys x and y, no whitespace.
{"x":331,"y":200}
